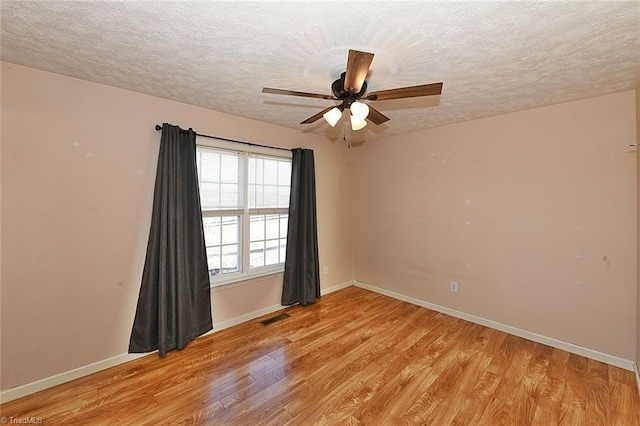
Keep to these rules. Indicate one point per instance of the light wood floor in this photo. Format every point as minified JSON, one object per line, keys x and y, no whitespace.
{"x":356,"y":358}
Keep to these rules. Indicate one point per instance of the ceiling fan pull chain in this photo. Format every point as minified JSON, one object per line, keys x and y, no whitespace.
{"x":344,"y":137}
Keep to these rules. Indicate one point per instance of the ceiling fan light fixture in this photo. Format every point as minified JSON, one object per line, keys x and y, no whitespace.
{"x":333,"y":116}
{"x":357,"y":123}
{"x":359,"y":110}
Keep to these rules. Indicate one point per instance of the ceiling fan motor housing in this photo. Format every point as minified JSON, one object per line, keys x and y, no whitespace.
{"x":337,"y":87}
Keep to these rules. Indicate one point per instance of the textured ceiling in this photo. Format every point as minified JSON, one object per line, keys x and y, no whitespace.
{"x":493,"y":57}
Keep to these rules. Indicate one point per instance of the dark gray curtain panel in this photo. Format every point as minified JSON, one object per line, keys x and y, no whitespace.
{"x":301,"y":267}
{"x":174,"y":304}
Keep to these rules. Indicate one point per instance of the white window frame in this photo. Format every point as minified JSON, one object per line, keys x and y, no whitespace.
{"x":245,"y":273}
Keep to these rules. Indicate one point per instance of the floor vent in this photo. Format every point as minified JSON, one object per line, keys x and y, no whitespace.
{"x":274,"y":319}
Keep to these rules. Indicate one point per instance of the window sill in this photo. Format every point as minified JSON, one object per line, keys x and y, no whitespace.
{"x":242,"y":280}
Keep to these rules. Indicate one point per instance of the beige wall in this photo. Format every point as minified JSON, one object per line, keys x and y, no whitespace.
{"x":77,"y":173}
{"x":532,"y":213}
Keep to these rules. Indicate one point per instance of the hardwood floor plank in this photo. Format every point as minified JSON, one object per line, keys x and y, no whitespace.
{"x":362,"y":361}
{"x":456,"y":403}
{"x":549,"y":404}
{"x":598,"y":402}
{"x":576,"y":385}
{"x":477,"y":400}
{"x":495,"y":413}
{"x":352,"y":358}
{"x":510,"y":363}
{"x":572,"y":414}
{"x":448,"y":365}
{"x":625,"y":406}
{"x":621,"y":376}
{"x":529,"y":392}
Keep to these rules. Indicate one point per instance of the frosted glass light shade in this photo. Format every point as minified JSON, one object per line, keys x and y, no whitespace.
{"x":332,"y":116}
{"x":359,"y":110}
{"x":357,"y":124}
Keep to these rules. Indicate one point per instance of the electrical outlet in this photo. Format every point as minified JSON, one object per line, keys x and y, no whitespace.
{"x":325,"y":270}
{"x":454,"y":287}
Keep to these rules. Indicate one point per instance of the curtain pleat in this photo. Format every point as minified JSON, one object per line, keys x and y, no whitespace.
{"x":174,"y":304}
{"x":301,"y":269}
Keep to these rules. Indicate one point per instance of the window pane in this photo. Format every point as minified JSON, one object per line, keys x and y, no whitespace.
{"x":230,"y":234}
{"x":213,"y":260}
{"x":283,"y":249}
{"x":208,"y":166}
{"x":230,"y":258}
{"x":268,"y":239}
{"x":229,"y":168}
{"x":283,"y":196}
{"x":222,"y":239}
{"x":269,"y":181}
{"x":270,"y":196}
{"x":271,"y":256}
{"x":284,"y":225}
{"x":211,"y":227}
{"x":272,"y":226}
{"x":220,"y":176}
{"x":284,"y":173}
{"x":252,"y":170}
{"x":229,"y":195}
{"x":258,"y":170}
{"x":256,"y":228}
{"x":256,"y":198}
{"x":270,"y":172}
{"x":209,"y":195}
{"x":256,"y":254}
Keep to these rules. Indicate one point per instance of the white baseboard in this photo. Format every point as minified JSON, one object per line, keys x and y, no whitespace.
{"x":39,"y":385}
{"x":270,"y":309}
{"x":549,"y":341}
{"x":336,"y":287}
{"x":67,"y":376}
{"x":76,"y":373}
{"x":244,"y":318}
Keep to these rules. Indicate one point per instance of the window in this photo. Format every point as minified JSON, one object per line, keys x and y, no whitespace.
{"x":245,"y":204}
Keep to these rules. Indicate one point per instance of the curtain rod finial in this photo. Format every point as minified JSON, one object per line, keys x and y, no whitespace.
{"x":158,"y":127}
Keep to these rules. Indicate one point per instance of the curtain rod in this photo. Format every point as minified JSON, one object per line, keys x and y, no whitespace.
{"x":159,"y":127}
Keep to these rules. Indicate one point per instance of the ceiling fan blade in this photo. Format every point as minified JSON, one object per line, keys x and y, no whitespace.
{"x":294,"y":93}
{"x":358,"y":65}
{"x":406,"y":92}
{"x":376,"y":116}
{"x":318,"y":115}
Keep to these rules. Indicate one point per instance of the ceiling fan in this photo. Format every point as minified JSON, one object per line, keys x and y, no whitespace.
{"x":351,"y":89}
